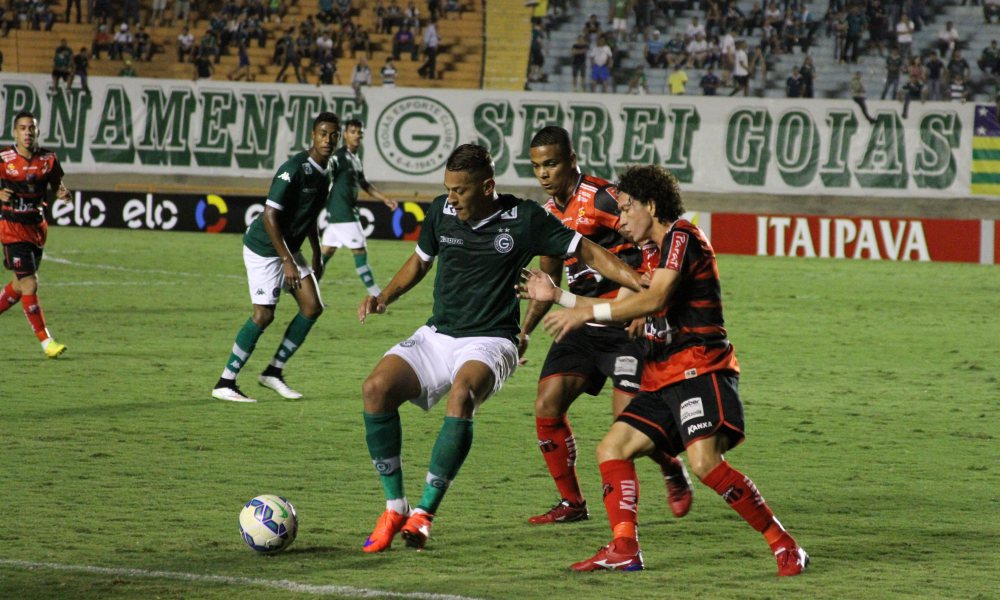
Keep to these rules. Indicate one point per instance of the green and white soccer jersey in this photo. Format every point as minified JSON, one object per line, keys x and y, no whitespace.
{"x":479,"y":266}
{"x":347,"y":177}
{"x":297,"y":192}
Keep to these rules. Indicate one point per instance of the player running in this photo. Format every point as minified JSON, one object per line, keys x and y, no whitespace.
{"x":467,"y":349}
{"x":27,"y":173}
{"x":585,"y":358}
{"x":344,"y":227}
{"x":689,"y":399}
{"x":273,"y":260}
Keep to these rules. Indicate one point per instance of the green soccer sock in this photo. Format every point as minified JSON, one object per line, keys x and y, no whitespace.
{"x":296,"y":333}
{"x":246,"y":341}
{"x":384,"y":436}
{"x":450,"y":450}
{"x":365,"y":273}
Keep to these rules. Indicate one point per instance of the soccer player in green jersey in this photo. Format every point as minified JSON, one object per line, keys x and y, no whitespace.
{"x":468,"y":347}
{"x":271,"y":253}
{"x":344,"y":227}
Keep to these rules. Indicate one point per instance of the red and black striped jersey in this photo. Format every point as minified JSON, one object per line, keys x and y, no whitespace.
{"x":688,"y":337}
{"x":22,"y":218}
{"x":593,"y":211}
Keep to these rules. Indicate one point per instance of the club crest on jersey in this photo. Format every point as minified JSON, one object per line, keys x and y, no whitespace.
{"x":503,"y":243}
{"x":307,"y":168}
{"x":285,"y":177}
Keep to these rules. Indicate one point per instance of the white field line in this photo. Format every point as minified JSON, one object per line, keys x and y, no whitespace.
{"x":278,"y":584}
{"x":63,"y":261}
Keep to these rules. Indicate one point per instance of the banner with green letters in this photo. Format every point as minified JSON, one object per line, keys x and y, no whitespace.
{"x":712,"y":144}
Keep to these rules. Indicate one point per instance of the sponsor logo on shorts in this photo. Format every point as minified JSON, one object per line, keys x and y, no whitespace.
{"x":259,"y":292}
{"x":503,"y":243}
{"x":690,"y":373}
{"x":408,"y":343}
{"x":699,"y":427}
{"x":626,"y":365}
{"x":692,"y":409}
{"x":625,"y":383}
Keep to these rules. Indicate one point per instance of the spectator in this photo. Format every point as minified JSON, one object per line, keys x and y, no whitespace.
{"x":808,"y":73}
{"x":100,"y":11}
{"x":947,"y":39}
{"x":156,"y":17}
{"x":429,"y":68}
{"x":619,"y":19}
{"x":677,"y":81}
{"x":893,"y":69}
{"x":411,"y":17}
{"x":697,"y":51}
{"x":328,"y":69}
{"x":656,"y":54}
{"x":754,"y":20}
{"x":8,"y":19}
{"x":741,"y":70}
{"x":878,"y":26}
{"x":130,"y":12}
{"x":290,"y":58}
{"x":69,"y":11}
{"x":379,"y":13}
{"x":203,"y":68}
{"x":327,"y":14}
{"x":185,"y":44}
{"x":393,"y":17}
{"x":389,"y":73}
{"x":989,"y":58}
{"x":857,"y":88}
{"x":958,"y":66}
{"x":709,"y":82}
{"x":102,"y":42}
{"x":758,"y":60}
{"x":62,"y":62}
{"x":242,"y":70}
{"x":592,"y":29}
{"x":840,"y":39}
{"x":913,"y":90}
{"x":536,"y":54}
{"x":857,"y":23}
{"x":404,"y":41}
{"x":991,"y":8}
{"x":344,"y":8}
{"x":452,"y":7}
{"x":182,"y":11}
{"x":360,"y":41}
{"x":727,"y":47}
{"x":579,"y":57}
{"x":600,"y":64}
{"x":904,"y":36}
{"x":433,"y":9}
{"x":714,"y":58}
{"x":637,"y":83}
{"x":794,"y":84}
{"x":934,"y":68}
{"x":128,"y":70}
{"x":957,"y":90}
{"x":209,"y":46}
{"x":42,"y":17}
{"x":143,"y":44}
{"x":790,"y":35}
{"x":676,"y":50}
{"x":692,"y":30}
{"x":123,"y":42}
{"x":360,"y":77}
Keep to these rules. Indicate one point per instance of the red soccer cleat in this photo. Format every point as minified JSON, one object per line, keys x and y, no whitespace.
{"x":417,"y":529}
{"x":792,"y":560}
{"x":680,"y":493}
{"x":564,"y":512}
{"x":386,"y":528}
{"x":622,"y":554}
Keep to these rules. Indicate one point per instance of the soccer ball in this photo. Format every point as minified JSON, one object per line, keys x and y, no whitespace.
{"x":268,"y":523}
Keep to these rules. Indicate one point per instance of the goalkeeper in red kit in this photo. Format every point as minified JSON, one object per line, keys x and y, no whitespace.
{"x":689,"y":396}
{"x":27,"y":173}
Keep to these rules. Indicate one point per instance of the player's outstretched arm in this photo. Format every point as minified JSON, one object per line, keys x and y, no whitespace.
{"x":552,"y":268}
{"x":409,"y":275}
{"x":608,"y":265}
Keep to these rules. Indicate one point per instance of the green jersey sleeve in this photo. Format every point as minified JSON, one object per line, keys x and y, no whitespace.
{"x":285,"y":182}
{"x":427,"y":243}
{"x":550,"y":236}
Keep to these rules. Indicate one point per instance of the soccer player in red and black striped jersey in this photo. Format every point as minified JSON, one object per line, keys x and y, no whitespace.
{"x":689,"y":399}
{"x":27,"y":173}
{"x":585,"y":358}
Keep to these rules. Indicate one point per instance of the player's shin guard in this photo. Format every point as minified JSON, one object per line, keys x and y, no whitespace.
{"x":36,"y":317}
{"x":450,"y":450}
{"x":742,"y":495}
{"x":384,"y":436}
{"x":558,"y":446}
{"x":246,"y":341}
{"x":365,"y":273}
{"x":295,"y":334}
{"x":621,"y":496}
{"x":8,"y":297}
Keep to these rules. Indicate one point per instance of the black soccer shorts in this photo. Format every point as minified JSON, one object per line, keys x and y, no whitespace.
{"x":597,"y":353}
{"x":22,"y":258}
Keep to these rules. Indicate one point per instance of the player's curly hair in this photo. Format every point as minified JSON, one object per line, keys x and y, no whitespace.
{"x":652,"y":184}
{"x":326,"y":117}
{"x":474,"y":159}
{"x":553,"y":135}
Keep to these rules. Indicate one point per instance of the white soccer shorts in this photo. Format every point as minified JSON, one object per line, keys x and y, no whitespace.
{"x":350,"y":235}
{"x":436,"y":359}
{"x":266,"y":277}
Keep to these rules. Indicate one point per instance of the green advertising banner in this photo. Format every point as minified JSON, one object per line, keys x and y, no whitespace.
{"x":712,"y":144}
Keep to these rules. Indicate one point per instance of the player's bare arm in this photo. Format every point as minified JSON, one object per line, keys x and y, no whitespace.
{"x":317,"y":253}
{"x":608,"y":265}
{"x":552,"y":267}
{"x":273,"y":229}
{"x":410,"y":274}
{"x":374,"y":192}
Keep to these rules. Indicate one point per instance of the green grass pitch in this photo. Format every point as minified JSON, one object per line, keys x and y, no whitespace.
{"x":871,"y":391}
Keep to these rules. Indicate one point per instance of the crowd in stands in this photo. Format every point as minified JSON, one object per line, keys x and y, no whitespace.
{"x":307,"y":50}
{"x":732,"y":43}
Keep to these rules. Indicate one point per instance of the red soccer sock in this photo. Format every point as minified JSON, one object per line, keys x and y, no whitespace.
{"x":8,"y":297}
{"x":33,"y":310}
{"x":621,"y":496}
{"x":741,"y":494}
{"x":558,"y":446}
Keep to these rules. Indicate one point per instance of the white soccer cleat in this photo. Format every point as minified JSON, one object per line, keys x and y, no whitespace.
{"x":278,"y":384}
{"x":232,"y":394}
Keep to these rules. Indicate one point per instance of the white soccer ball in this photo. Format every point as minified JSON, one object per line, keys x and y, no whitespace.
{"x":268,"y":523}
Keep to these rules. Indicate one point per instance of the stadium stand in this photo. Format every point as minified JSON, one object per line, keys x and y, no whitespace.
{"x":459,"y":62}
{"x":832,"y":79}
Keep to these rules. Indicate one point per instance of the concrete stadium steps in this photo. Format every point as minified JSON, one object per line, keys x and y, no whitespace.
{"x":508,"y":29}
